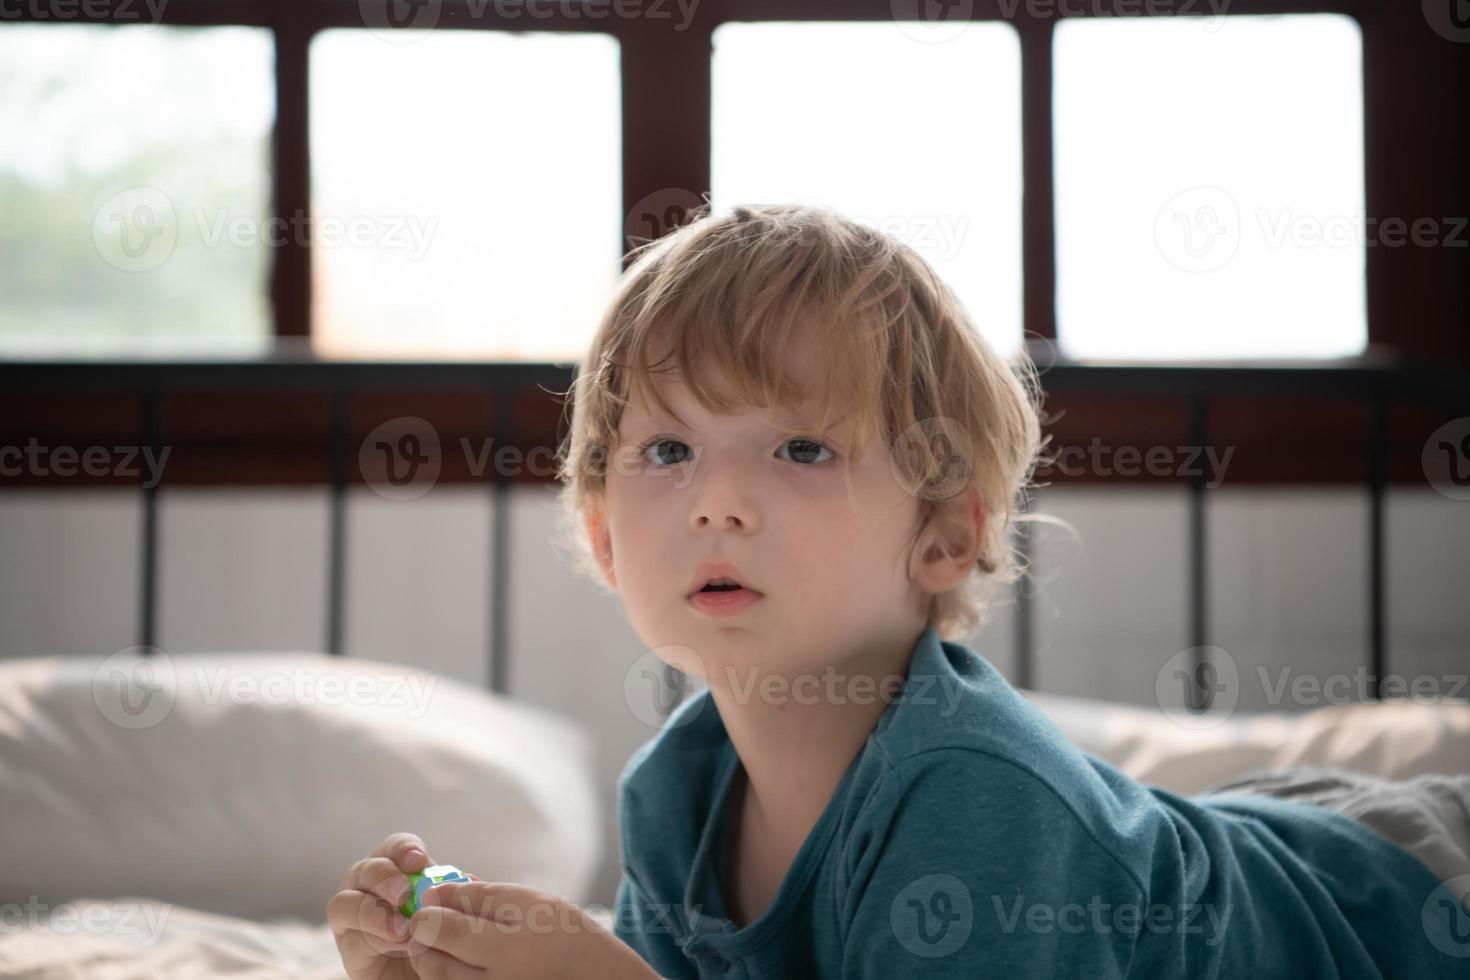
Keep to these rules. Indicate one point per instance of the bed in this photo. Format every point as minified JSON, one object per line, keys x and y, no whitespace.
{"x":189,"y":816}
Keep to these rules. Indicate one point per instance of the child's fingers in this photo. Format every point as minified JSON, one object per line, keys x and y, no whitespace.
{"x":405,"y":850}
{"x":454,"y":932}
{"x":361,"y":912}
{"x":381,"y":877}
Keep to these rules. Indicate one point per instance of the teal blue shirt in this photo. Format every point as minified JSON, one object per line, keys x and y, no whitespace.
{"x":969,"y":838}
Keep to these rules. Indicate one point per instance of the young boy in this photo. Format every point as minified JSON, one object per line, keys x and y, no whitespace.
{"x":786,"y":402}
{"x":795,"y":460}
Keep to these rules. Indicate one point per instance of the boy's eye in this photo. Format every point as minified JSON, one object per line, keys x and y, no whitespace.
{"x":658,"y":443}
{"x":807,"y":446}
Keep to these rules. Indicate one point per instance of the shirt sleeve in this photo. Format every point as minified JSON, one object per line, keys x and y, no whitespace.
{"x":645,"y":928}
{"x":966,"y":865}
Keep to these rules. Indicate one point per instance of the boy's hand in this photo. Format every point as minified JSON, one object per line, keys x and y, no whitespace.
{"x":483,"y":929}
{"x":372,"y":935}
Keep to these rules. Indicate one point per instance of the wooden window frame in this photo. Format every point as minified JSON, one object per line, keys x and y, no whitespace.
{"x":1418,"y":299}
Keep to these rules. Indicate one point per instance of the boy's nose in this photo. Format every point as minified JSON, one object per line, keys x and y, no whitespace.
{"x":731,"y":520}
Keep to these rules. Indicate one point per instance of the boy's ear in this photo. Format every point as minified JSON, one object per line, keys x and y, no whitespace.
{"x":951,"y":545}
{"x":601,"y":538}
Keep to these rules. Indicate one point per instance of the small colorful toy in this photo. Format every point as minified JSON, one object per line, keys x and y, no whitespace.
{"x":421,"y":881}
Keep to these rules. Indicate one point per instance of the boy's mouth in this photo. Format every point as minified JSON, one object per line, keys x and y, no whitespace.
{"x":718,"y":577}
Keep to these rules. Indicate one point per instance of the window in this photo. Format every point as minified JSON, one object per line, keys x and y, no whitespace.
{"x":467,"y":196}
{"x":1209,"y":187}
{"x":920,"y":140}
{"x":133,"y":203}
{"x":466,"y":193}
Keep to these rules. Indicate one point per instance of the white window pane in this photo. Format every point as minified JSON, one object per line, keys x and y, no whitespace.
{"x":1209,"y":187}
{"x":126,"y":154}
{"x":920,"y":139}
{"x":482,"y":174}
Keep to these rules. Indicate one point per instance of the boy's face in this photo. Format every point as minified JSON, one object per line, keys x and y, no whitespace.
{"x":830,"y":569}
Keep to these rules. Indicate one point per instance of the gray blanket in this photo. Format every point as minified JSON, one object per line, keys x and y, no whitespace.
{"x":1428,"y":816}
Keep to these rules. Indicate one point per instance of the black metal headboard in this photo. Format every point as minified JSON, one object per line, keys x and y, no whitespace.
{"x":1374,"y":385}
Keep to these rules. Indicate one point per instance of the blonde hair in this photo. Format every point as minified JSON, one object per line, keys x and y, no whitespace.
{"x":903,"y":360}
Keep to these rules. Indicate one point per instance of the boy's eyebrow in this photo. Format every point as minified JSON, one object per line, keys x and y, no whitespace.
{"x":802,"y":418}
{"x":661,"y":418}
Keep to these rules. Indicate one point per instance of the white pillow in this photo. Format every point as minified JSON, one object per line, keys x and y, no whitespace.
{"x":1186,"y":755}
{"x":246,"y":784}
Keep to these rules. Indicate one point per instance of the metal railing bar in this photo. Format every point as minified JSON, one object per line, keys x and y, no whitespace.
{"x":1201,"y":694}
{"x":148,"y":570}
{"x":337,"y":524}
{"x":499,"y":545}
{"x":1377,"y":479}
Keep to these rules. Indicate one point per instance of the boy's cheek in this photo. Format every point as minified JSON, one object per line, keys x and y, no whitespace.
{"x":646,"y":487}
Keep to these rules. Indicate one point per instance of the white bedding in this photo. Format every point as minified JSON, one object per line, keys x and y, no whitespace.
{"x":136,"y":939}
{"x":535,"y":758}
{"x":1394,"y":739}
{"x":133,"y":938}
{"x":245,"y":785}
